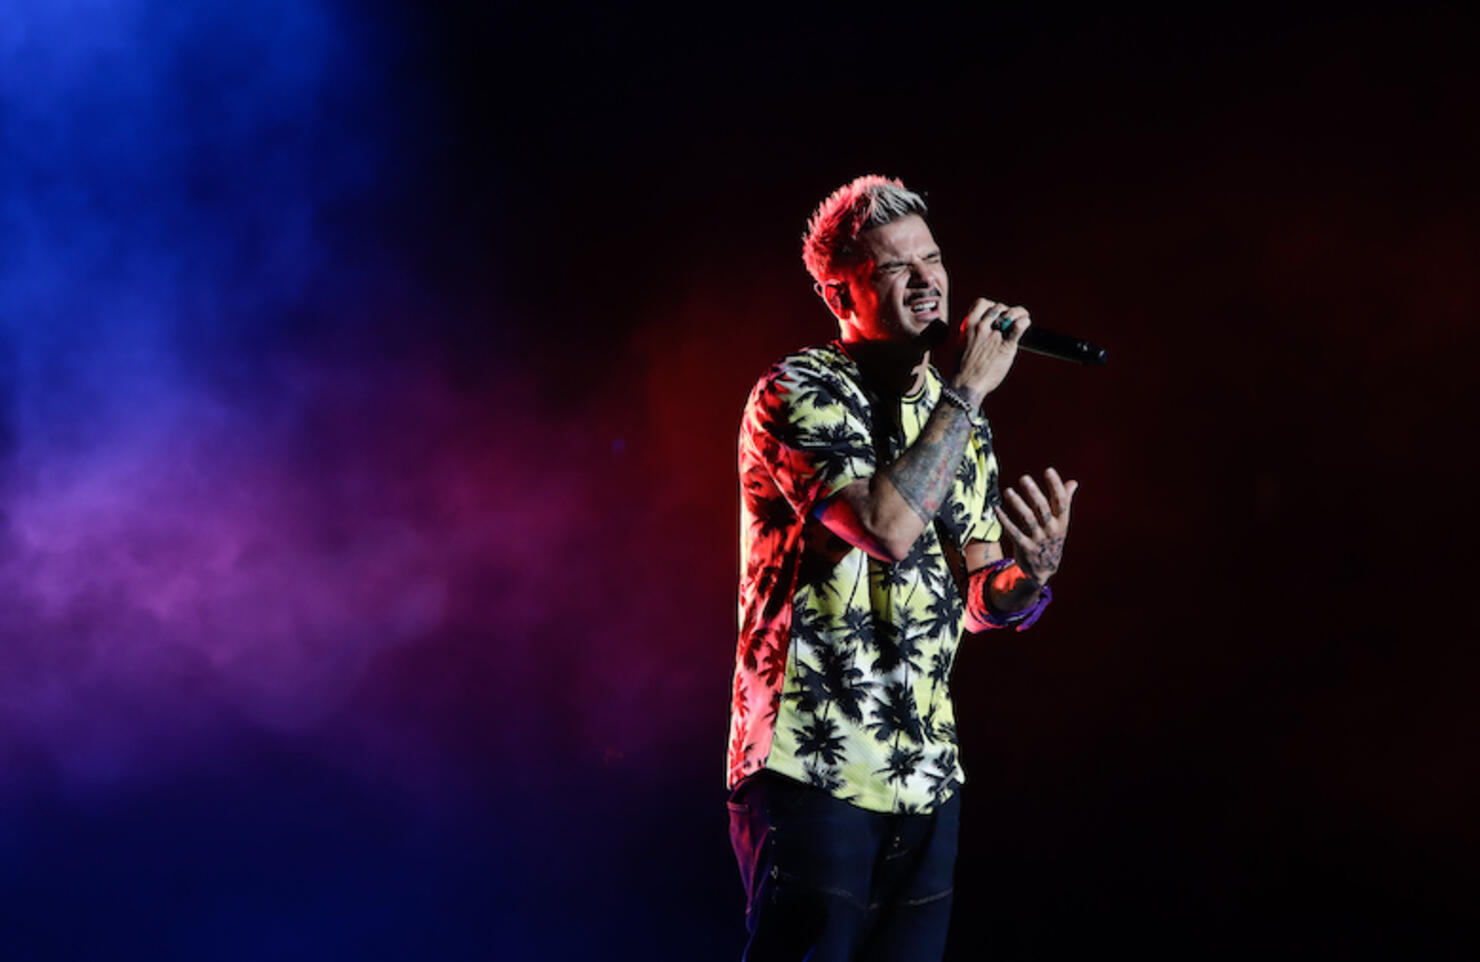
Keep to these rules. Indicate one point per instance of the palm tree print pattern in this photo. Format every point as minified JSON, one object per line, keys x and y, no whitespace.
{"x":842,"y":675}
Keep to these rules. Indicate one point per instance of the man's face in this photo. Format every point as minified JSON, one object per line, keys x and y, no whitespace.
{"x":898,"y":289}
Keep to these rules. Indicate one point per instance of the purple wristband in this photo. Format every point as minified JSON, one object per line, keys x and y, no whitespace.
{"x":982,"y":609}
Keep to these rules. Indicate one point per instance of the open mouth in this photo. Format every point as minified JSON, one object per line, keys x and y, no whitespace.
{"x":924,"y":306}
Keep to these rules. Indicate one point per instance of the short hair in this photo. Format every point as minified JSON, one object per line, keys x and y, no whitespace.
{"x":868,"y":201}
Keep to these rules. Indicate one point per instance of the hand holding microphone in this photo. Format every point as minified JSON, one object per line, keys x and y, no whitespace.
{"x":987,"y":352}
{"x":985,"y":360}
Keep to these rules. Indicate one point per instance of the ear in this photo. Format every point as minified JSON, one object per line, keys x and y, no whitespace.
{"x":838,"y":297}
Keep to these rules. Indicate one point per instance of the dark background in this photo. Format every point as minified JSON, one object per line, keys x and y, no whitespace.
{"x":371,"y":378}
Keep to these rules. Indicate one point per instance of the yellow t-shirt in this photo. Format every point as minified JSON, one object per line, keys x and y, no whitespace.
{"x":842,"y":675}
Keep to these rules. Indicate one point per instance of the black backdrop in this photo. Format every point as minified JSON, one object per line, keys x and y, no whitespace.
{"x":1244,"y":729}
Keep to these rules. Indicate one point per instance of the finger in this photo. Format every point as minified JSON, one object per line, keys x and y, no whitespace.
{"x":1012,"y":530}
{"x":1025,"y":513}
{"x":1019,"y":325}
{"x":1058,"y":497}
{"x":995,"y":315}
{"x":973,"y":325}
{"x":1040,"y":503}
{"x":1010,"y":317}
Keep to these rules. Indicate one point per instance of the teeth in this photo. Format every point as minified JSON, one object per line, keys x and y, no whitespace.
{"x":923,"y":306}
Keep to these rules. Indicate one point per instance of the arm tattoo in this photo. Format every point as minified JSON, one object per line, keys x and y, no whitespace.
{"x":923,"y":474}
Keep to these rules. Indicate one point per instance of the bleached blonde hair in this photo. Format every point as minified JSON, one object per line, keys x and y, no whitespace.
{"x":864,"y":202}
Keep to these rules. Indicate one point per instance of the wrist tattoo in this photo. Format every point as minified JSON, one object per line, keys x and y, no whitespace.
{"x":923,"y":474}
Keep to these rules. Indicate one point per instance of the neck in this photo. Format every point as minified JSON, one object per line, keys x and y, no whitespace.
{"x":890,"y":366}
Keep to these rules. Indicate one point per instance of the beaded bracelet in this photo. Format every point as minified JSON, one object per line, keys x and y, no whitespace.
{"x":952,"y":398}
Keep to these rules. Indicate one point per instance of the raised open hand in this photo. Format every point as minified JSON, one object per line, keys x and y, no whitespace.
{"x":1042,"y":523}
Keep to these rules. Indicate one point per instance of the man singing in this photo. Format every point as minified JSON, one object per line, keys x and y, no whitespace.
{"x":870,"y":538}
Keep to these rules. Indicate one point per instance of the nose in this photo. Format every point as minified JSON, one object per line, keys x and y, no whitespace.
{"x":920,"y":275}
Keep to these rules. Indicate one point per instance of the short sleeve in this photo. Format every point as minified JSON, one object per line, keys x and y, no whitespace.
{"x":984,"y":525}
{"x":807,"y":426}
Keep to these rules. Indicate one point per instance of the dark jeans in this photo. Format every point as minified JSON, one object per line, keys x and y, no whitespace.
{"x":829,"y":882}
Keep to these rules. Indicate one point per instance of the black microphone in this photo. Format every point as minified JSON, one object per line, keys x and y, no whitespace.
{"x":1053,"y":344}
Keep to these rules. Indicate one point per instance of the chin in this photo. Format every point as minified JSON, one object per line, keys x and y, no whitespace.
{"x":935,"y":334}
